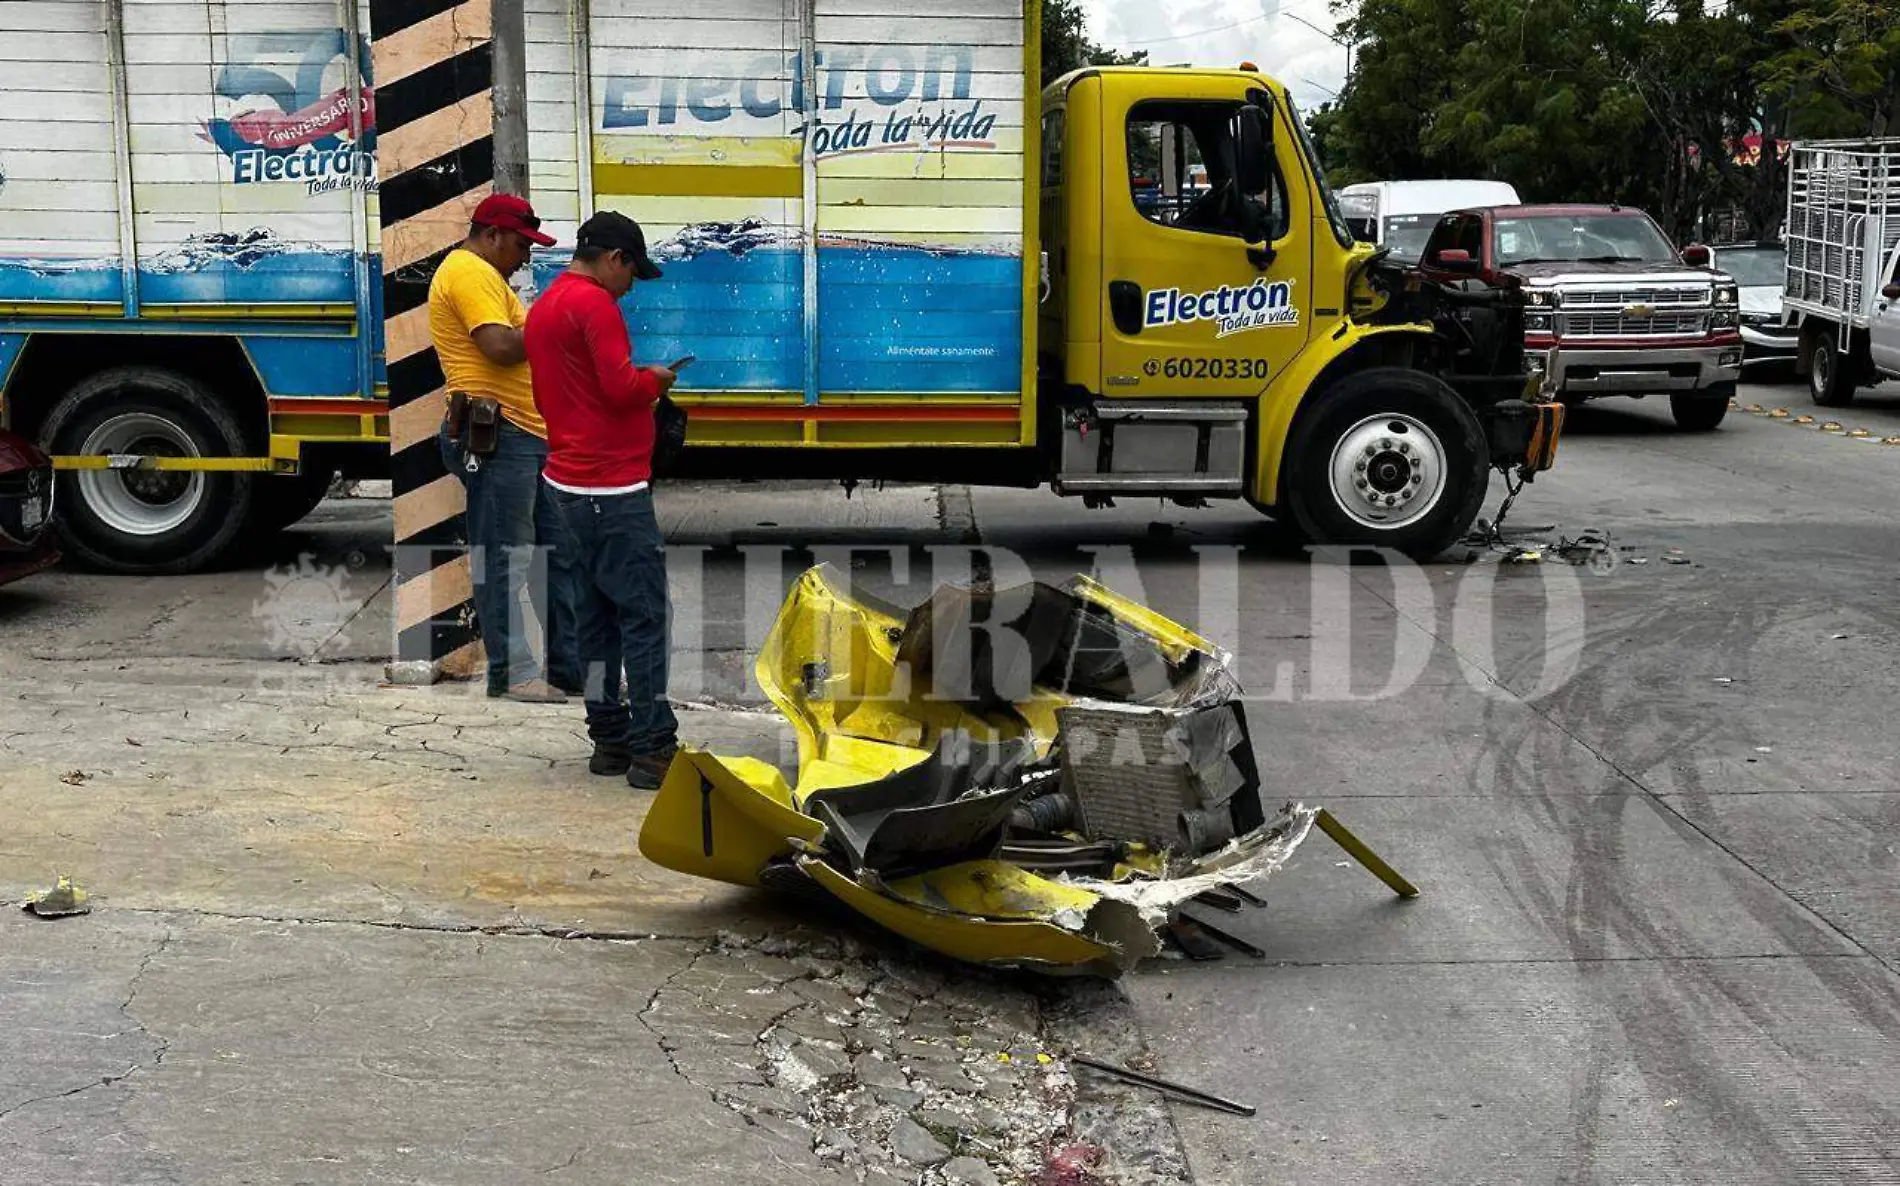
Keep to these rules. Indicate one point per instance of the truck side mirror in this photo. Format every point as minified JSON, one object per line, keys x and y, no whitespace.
{"x":1454,"y":259}
{"x":1696,"y":255}
{"x":1253,"y":147}
{"x":1891,"y":292}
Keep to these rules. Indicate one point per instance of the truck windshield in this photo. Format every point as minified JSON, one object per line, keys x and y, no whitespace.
{"x":1581,"y":238}
{"x":1405,"y":235}
{"x":1327,"y":198}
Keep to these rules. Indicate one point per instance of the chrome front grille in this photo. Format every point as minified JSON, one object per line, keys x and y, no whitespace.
{"x":1634,"y":311}
{"x":1696,"y":297}
{"x":1621,"y":325}
{"x":21,"y":482}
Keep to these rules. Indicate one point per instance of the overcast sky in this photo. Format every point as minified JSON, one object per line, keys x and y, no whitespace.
{"x":1226,"y":32}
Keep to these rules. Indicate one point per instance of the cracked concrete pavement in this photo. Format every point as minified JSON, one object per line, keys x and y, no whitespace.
{"x":345,"y":932}
{"x":1656,"y":942}
{"x":331,"y":927}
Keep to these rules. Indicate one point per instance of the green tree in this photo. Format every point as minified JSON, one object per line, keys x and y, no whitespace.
{"x":1838,"y":68}
{"x":1066,"y":45}
{"x":1644,"y":102}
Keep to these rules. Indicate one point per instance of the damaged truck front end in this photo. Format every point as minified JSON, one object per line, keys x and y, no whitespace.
{"x":1032,"y":777}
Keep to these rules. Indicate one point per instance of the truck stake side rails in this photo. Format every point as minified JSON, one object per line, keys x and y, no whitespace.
{"x":1842,"y":292}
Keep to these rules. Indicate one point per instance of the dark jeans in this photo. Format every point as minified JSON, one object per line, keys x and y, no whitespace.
{"x":514,"y":536}
{"x":618,"y":591}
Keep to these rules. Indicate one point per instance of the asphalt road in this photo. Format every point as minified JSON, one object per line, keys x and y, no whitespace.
{"x":1651,"y":805}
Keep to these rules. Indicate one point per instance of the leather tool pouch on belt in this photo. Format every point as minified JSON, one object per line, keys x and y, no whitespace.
{"x":474,"y":423}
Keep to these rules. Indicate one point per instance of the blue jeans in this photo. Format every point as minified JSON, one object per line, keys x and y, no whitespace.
{"x":618,"y":591}
{"x":514,"y":536}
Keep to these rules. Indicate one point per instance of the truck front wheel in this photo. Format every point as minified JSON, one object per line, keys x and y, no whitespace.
{"x":1387,"y":457}
{"x":139,"y":520}
{"x":1700,"y":411}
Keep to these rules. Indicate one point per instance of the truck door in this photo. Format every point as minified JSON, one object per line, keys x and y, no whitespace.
{"x":1191,"y":313}
{"x":1883,"y":328}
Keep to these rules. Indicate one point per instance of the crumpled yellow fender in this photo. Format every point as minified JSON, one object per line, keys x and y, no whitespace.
{"x":856,"y":723}
{"x":723,"y":818}
{"x":1019,"y":938}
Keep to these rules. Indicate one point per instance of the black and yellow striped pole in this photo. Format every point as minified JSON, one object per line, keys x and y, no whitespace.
{"x":443,"y":69}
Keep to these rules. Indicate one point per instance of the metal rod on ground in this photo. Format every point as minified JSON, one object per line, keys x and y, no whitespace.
{"x":1249,"y":895}
{"x":1357,"y":850}
{"x":1179,"y":1091}
{"x":1219,"y":901}
{"x":1232,"y":940}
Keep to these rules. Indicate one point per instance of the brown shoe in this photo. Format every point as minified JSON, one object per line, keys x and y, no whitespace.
{"x":535,"y":691}
{"x":645,"y":772}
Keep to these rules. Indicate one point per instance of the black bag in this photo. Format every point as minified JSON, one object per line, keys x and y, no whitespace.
{"x":669,"y":434}
{"x":484,"y":427}
{"x":474,"y":422}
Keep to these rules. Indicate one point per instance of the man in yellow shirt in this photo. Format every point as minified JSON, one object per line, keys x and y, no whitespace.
{"x":475,"y":319}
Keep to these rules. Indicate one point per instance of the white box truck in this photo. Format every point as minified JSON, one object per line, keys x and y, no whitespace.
{"x":1400,"y":215}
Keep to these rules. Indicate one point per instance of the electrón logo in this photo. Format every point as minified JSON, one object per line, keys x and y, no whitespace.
{"x":284,"y":129}
{"x":703,"y":93}
{"x":1234,"y":309}
{"x":874,"y":99}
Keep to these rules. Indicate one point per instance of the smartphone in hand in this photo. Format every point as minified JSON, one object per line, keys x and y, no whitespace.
{"x":682,"y":364}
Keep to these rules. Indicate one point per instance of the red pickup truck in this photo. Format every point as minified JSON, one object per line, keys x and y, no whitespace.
{"x":26,"y":508}
{"x":1624,"y":311}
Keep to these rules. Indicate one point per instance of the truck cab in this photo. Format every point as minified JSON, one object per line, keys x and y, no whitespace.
{"x":1233,"y":338}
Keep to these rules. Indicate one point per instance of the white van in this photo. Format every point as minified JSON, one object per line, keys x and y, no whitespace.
{"x":1399,"y":215}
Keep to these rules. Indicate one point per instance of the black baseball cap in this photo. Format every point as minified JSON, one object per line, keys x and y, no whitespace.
{"x":613,"y":231}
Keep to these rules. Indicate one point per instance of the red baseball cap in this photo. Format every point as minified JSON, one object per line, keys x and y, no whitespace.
{"x":509,"y":213}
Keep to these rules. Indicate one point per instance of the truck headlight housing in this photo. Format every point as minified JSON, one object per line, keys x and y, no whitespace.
{"x":1723,"y":319}
{"x":1725,"y":296}
{"x":1537,"y":322}
{"x":1538,"y":298}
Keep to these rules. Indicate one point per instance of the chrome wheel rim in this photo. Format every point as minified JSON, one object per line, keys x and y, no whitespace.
{"x":141,"y":502}
{"x":1388,"y":471}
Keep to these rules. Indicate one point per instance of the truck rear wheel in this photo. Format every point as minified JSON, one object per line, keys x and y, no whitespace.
{"x":1830,"y":376}
{"x":1388,"y":457}
{"x":147,"y":521}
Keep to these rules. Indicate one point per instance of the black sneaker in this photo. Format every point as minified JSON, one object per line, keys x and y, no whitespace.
{"x":645,"y":771}
{"x":610,"y":760}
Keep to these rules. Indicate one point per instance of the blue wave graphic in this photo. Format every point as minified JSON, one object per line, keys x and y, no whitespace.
{"x":890,"y":319}
{"x":61,"y":280}
{"x":276,"y":279}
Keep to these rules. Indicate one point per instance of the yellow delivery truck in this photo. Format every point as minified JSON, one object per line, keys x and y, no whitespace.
{"x":895,"y":258}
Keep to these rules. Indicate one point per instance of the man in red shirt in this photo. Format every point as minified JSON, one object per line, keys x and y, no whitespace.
{"x":599,"y":411}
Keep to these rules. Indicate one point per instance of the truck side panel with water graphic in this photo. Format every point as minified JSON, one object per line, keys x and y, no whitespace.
{"x":187,"y":264}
